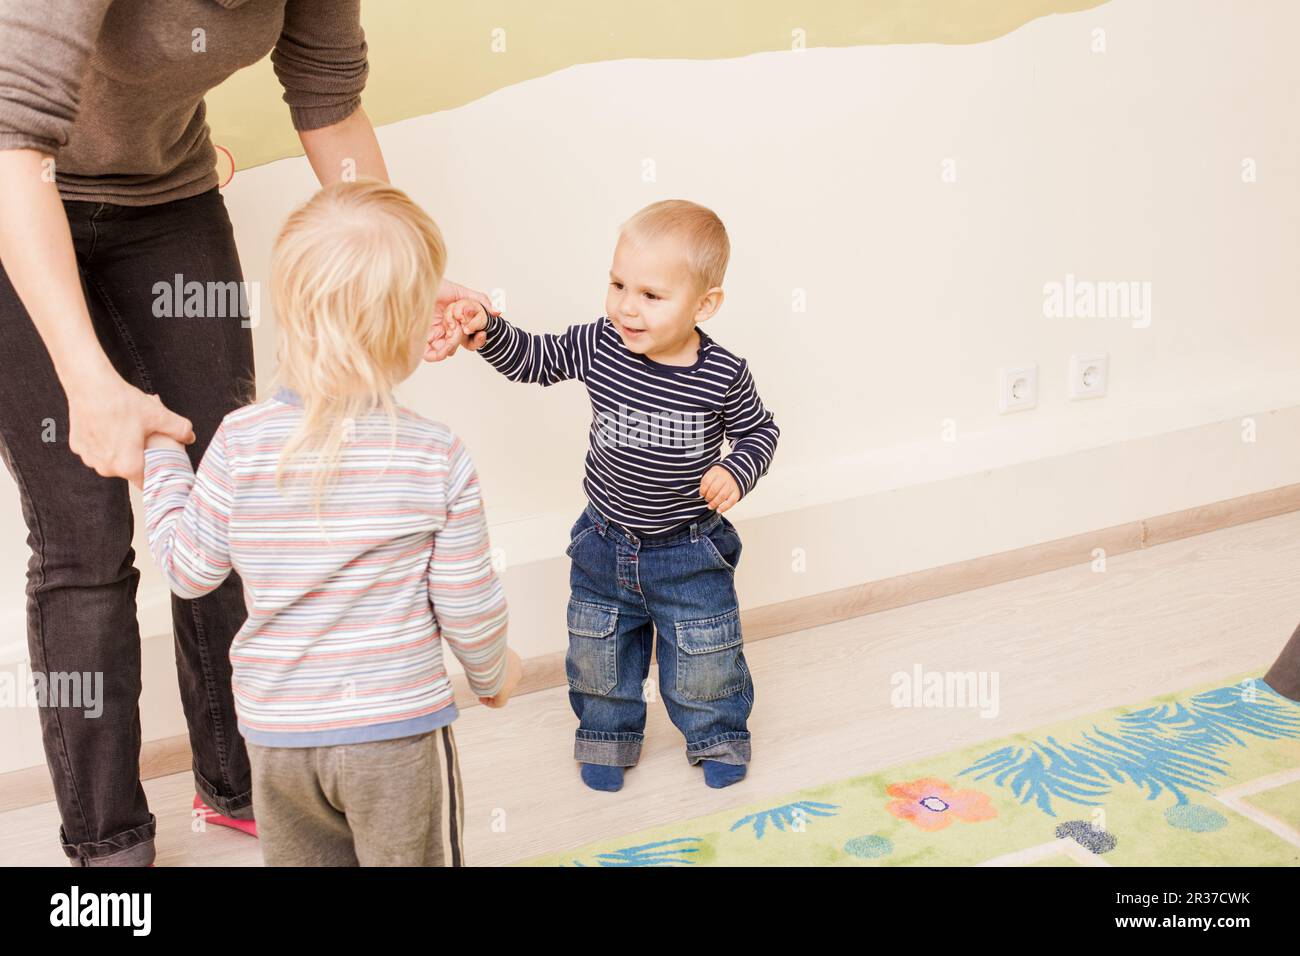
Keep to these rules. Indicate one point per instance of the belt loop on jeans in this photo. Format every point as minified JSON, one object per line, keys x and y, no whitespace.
{"x":597,"y":519}
{"x":698,"y":526}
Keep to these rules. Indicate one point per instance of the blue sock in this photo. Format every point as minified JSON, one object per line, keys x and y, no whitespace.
{"x":600,"y":777}
{"x":718,"y":775}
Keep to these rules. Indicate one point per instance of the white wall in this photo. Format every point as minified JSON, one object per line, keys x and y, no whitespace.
{"x":826,"y":166}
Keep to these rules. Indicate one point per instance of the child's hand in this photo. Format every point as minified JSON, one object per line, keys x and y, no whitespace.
{"x":444,"y":338}
{"x":720,"y":488}
{"x":471,"y":319}
{"x":440,"y":343}
{"x":514,"y":673}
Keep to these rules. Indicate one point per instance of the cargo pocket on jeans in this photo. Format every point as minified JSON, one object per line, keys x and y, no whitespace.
{"x":708,"y":657}
{"x":591,"y":662}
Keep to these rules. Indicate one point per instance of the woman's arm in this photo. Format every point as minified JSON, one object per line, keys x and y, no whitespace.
{"x":108,"y":418}
{"x":321,"y":62}
{"x":44,"y":52}
{"x":349,"y":146}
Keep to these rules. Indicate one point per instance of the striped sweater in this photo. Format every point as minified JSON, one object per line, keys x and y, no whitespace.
{"x":655,"y":428}
{"x":346,"y":612}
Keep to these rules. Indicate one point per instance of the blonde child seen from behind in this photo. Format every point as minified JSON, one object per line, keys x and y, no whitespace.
{"x":358,"y":528}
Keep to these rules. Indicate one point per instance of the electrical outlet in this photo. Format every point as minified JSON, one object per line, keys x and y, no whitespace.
{"x":1089,"y":373}
{"x":1019,"y":389}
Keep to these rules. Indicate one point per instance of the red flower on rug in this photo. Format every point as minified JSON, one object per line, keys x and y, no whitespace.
{"x":932,"y":805}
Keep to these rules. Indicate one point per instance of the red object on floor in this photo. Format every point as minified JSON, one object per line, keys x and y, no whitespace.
{"x":211,"y":816}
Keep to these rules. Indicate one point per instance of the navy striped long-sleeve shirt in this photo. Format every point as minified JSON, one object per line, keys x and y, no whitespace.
{"x":655,"y":428}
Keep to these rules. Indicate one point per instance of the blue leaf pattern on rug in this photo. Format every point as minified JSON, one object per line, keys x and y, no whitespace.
{"x":787,"y":813}
{"x":675,"y":852}
{"x":1170,"y":748}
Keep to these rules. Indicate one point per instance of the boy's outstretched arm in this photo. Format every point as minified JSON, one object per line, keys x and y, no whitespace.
{"x":520,"y":356}
{"x":751,"y":431}
{"x":187,"y":517}
{"x":464,"y":589}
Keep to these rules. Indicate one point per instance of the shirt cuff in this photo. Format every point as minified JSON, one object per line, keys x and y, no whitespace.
{"x":166,"y":458}
{"x":307,"y":118}
{"x":735,"y":473}
{"x":492,"y":331}
{"x":15,"y":140}
{"x":163,"y":450}
{"x":488,"y":690}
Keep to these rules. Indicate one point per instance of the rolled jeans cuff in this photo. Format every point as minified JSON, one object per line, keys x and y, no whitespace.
{"x":129,"y":848}
{"x":607,"y":748}
{"x":731,"y":747}
{"x":239,"y":807}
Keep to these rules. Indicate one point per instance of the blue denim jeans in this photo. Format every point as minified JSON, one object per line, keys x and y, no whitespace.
{"x":626,"y":587}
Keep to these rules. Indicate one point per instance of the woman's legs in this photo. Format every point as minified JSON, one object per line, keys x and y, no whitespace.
{"x":201,"y":365}
{"x":81,"y":612}
{"x":1284,"y":675}
{"x":82,"y":579}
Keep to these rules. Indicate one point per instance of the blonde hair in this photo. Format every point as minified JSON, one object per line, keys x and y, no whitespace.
{"x":700,"y":230}
{"x":354,"y":271}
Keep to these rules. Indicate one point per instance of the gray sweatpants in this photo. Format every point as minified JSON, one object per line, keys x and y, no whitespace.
{"x":386,"y":803}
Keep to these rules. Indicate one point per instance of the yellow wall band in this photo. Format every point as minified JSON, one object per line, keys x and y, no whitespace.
{"x":427,"y":55}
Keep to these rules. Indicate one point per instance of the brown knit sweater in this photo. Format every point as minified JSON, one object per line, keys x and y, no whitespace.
{"x":113,"y":89}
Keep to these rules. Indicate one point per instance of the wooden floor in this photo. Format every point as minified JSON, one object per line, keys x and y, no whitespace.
{"x":1064,"y":644}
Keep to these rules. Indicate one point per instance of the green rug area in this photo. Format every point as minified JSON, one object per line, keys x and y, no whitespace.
{"x":1209,"y":777}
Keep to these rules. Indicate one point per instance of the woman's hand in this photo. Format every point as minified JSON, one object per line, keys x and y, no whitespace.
{"x":107,"y":418}
{"x":444,"y":336}
{"x":108,"y":422}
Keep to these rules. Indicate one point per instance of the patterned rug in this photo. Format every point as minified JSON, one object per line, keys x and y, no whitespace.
{"x":1209,"y":777}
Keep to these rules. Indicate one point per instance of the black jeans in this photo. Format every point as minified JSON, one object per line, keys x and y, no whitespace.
{"x":82,"y":579}
{"x":1284,"y":675}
